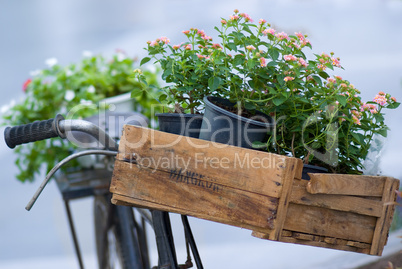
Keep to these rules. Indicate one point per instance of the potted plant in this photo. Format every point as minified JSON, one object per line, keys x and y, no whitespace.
{"x":78,"y":87}
{"x":188,"y":77}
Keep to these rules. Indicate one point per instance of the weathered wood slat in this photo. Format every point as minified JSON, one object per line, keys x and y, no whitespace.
{"x":332,"y":223}
{"x":384,"y":222}
{"x":353,"y":204}
{"x":193,"y":196}
{"x":250,"y":170}
{"x":290,"y":170}
{"x":346,"y":184}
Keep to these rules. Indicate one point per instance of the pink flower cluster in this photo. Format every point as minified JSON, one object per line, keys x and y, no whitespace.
{"x":369,"y":107}
{"x":263,"y":62}
{"x":156,"y":42}
{"x":269,"y":31}
{"x":282,"y":35}
{"x":381,"y":99}
{"x":290,"y":57}
{"x":246,"y":17}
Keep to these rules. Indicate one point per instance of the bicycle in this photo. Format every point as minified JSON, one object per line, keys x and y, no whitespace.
{"x":121,"y":239}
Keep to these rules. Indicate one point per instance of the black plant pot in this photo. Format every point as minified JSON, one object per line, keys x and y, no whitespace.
{"x":308,"y":168}
{"x":180,"y":124}
{"x":222,"y":126}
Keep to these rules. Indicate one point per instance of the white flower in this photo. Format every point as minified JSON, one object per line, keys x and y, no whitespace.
{"x":6,"y":107}
{"x":91,"y":89}
{"x":87,"y":53}
{"x":51,"y":62}
{"x":121,"y":56}
{"x":69,"y":73}
{"x":35,"y":73}
{"x":113,"y":73}
{"x":69,"y":95}
{"x":86,"y":102}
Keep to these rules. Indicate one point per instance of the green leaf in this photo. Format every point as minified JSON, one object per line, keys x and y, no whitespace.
{"x":393,"y":105}
{"x":280,"y":100}
{"x":383,"y":132}
{"x":135,"y":93}
{"x":214,"y":83}
{"x":342,"y":99}
{"x":259,"y":145}
{"x":274,"y":54}
{"x":323,"y":75}
{"x":249,"y":106}
{"x":145,"y":60}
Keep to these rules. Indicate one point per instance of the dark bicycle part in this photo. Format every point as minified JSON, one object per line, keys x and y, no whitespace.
{"x":57,"y":127}
{"x":191,"y":241}
{"x":117,"y":225}
{"x":59,"y":165}
{"x":164,"y":240}
{"x":38,"y":130}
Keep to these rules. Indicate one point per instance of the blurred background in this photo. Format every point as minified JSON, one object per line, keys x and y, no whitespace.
{"x":366,"y":35}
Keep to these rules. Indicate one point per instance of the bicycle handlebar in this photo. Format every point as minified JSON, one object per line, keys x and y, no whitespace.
{"x":38,"y":130}
{"x":57,"y":127}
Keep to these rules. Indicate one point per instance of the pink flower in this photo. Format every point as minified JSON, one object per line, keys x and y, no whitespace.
{"x":356,"y":120}
{"x":393,"y":99}
{"x":236,"y":11}
{"x":302,"y":62}
{"x":186,"y":32}
{"x":331,"y":80}
{"x":224,"y":21}
{"x":338,"y":77}
{"x":176,"y":47}
{"x":200,"y":56}
{"x":269,"y":31}
{"x":165,"y":40}
{"x":381,"y":93}
{"x":246,"y":17}
{"x":26,"y":83}
{"x":263,"y":62}
{"x":282,"y":35}
{"x":321,"y":67}
{"x":250,"y":47}
{"x":205,"y":37}
{"x":234,"y":17}
{"x":188,"y":47}
{"x":335,"y":62}
{"x":262,"y":21}
{"x":153,"y":43}
{"x":288,"y":78}
{"x":290,"y":57}
{"x":380,"y":99}
{"x":216,"y":46}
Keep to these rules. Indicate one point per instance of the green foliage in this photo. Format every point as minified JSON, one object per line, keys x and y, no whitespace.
{"x":60,"y":89}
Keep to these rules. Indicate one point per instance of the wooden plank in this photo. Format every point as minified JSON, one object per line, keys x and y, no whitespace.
{"x":323,"y":244}
{"x":250,"y":170}
{"x":358,"y":185}
{"x":331,"y":223}
{"x":292,"y":166}
{"x":194,"y":196}
{"x":353,"y":204}
{"x":384,"y":222}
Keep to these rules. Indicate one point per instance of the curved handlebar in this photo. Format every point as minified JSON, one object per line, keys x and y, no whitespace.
{"x":38,"y":130}
{"x":57,"y":127}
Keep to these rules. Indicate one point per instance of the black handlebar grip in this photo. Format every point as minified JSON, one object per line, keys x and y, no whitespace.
{"x":38,"y":130}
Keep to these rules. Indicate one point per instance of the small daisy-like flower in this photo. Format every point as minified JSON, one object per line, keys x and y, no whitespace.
{"x":51,"y":62}
{"x":69,"y":95}
{"x":250,"y":47}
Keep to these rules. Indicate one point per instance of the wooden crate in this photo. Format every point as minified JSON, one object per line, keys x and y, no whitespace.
{"x":251,"y":189}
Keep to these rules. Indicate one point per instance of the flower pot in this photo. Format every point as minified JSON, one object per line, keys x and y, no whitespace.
{"x":222,"y":126}
{"x":308,"y":168}
{"x":180,"y":124}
